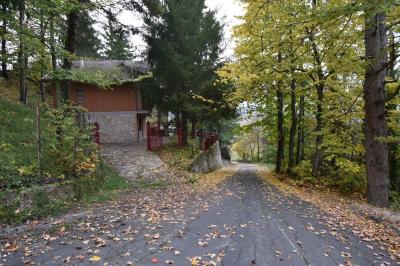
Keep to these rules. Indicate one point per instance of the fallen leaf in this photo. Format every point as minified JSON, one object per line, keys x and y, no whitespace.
{"x":95,"y":258}
{"x":100,"y":242}
{"x":11,"y":247}
{"x":154,"y":260}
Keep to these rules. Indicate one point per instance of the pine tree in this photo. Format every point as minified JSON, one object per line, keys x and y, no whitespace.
{"x":87,"y":42}
{"x":184,"y":48}
{"x":117,"y":46}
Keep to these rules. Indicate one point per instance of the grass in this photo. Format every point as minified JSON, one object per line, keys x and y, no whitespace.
{"x":17,"y":141}
{"x":179,"y":159}
{"x":113,"y":180}
{"x":142,"y":184}
{"x":57,"y":228}
{"x":42,"y":206}
{"x":112,"y":184}
{"x":270,"y":166}
{"x":9,"y":89}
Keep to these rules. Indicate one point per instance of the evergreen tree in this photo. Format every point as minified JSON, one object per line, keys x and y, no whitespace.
{"x":184,"y":48}
{"x":87,"y":42}
{"x":118,"y":46}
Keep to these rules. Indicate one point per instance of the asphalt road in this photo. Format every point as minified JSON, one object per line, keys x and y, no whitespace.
{"x":261,"y":226}
{"x":244,"y":222}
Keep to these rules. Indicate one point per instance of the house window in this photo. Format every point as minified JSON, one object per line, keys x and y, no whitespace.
{"x":80,"y":97}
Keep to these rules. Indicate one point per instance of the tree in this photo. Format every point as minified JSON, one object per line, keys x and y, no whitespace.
{"x":281,"y":131}
{"x":393,"y":119}
{"x":72,"y":17}
{"x":22,"y":59}
{"x":87,"y":42}
{"x":184,"y":48}
{"x":376,"y":150}
{"x":5,"y":13}
{"x":320,"y":71}
{"x":118,"y":46}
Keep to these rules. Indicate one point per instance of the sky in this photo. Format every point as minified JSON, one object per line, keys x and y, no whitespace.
{"x":227,"y":11}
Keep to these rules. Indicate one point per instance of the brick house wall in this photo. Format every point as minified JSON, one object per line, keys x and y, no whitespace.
{"x":118,"y":110}
{"x":122,"y":98}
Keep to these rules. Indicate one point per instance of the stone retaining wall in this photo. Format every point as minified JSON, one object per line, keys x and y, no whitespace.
{"x":116,"y":127}
{"x":207,"y":161}
{"x":26,"y":199}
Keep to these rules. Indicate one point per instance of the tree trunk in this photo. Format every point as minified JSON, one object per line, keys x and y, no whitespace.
{"x":52,"y":45}
{"x":42,"y":60}
{"x":394,"y":152}
{"x":293,"y":128}
{"x":258,"y":146}
{"x":317,"y":159}
{"x":376,"y":151}
{"x":4,"y":71}
{"x":300,"y":133}
{"x":281,"y":133}
{"x":21,"y":54}
{"x":185,"y":129}
{"x":319,"y":138}
{"x":193,"y":127}
{"x":70,"y":48}
{"x":54,"y":59}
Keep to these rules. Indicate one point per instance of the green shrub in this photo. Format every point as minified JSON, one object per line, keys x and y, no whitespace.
{"x":68,"y":151}
{"x":193,"y":178}
{"x":303,"y":170}
{"x":346,"y":176}
{"x":348,"y":184}
{"x":395,"y":200}
{"x":68,"y":155}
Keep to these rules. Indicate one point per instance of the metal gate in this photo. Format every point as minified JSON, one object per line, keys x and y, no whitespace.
{"x":154,"y":136}
{"x":207,"y":140}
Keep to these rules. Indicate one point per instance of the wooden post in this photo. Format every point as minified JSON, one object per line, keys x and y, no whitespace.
{"x":148,"y":136}
{"x":39,"y":140}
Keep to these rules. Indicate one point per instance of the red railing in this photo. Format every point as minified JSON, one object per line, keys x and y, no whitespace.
{"x":208,"y":139}
{"x":154,"y":136}
{"x":179,"y":133}
{"x":96,"y":133}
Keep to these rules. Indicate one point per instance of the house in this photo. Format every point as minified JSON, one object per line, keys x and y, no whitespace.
{"x":118,"y":107}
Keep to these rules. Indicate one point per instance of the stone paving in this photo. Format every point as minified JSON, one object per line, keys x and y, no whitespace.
{"x":135,"y":163}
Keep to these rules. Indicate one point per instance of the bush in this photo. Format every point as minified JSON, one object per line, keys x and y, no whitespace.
{"x":345,"y":176}
{"x":303,"y":170}
{"x":395,"y":200}
{"x":68,"y":151}
{"x":36,"y":203}
{"x":348,"y":184}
